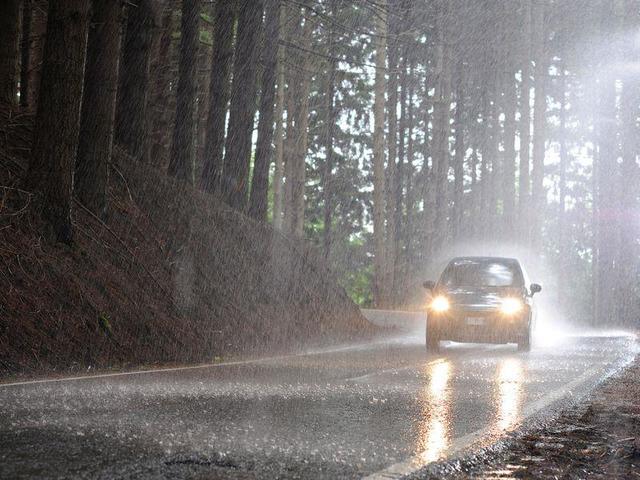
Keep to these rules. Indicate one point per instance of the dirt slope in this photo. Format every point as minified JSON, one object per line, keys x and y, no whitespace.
{"x":172,"y":276}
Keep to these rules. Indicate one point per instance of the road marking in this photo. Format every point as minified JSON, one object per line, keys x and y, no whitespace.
{"x":467,"y":353}
{"x":417,"y":462}
{"x":361,"y":346}
{"x":367,"y":376}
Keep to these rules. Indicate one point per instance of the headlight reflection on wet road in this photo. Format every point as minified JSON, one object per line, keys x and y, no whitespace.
{"x":435,"y":434}
{"x":510,"y":375}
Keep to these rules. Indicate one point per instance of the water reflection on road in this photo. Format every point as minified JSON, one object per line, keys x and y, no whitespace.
{"x":380,"y":410}
{"x":509,"y":380}
{"x":437,"y":399}
{"x":436,"y":429}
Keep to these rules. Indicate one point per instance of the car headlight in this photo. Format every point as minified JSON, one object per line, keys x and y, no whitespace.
{"x":511,"y":306}
{"x":440,"y":304}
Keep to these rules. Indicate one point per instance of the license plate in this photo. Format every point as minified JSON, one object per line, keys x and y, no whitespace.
{"x":475,"y":321}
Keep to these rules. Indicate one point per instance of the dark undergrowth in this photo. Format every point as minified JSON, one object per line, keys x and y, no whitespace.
{"x":171,"y":276}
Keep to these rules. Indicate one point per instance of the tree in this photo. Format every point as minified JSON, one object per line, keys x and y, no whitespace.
{"x":237,"y":158}
{"x":162,"y":92}
{"x":278,"y":174}
{"x":331,"y":117}
{"x":509,"y":159}
{"x":607,"y":206}
{"x":264,"y":150}
{"x":539,"y":124}
{"x":182,"y":159}
{"x":221,"y":61}
{"x":629,"y":231}
{"x":98,"y":106}
{"x":408,"y":228}
{"x":133,"y":84}
{"x":25,"y":52}
{"x":459,"y":156}
{"x":524,"y":181}
{"x":379,"y":287}
{"x":36,"y":54}
{"x":391,"y":174}
{"x":9,"y":41}
{"x":442,"y":128}
{"x":50,"y":173}
{"x":300,"y":140}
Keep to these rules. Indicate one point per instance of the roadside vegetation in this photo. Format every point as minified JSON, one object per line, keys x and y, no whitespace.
{"x":181,"y":135}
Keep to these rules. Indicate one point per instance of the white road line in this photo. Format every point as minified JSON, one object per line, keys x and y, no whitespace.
{"x":361,"y":346}
{"x":367,"y":376}
{"x":376,"y":373}
{"x":416,"y":462}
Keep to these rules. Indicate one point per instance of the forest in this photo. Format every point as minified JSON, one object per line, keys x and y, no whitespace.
{"x":383,"y":134}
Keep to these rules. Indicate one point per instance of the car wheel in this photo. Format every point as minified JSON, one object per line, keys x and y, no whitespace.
{"x":524,"y":342}
{"x":433,"y":341}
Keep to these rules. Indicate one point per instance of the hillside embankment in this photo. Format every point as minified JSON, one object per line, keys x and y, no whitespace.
{"x":172,"y":275}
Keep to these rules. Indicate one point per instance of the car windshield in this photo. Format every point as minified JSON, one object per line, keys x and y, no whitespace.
{"x":481,"y":273}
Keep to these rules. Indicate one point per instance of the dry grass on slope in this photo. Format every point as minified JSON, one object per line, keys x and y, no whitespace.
{"x":172,"y":276}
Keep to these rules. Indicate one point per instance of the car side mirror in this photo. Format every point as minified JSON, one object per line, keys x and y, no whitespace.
{"x":535,"y":288}
{"x":429,"y":285}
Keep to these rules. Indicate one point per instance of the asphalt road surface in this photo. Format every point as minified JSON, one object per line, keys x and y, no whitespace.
{"x":378,"y":410}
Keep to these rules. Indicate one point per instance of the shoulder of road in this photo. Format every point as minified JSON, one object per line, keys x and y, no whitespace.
{"x":597,"y":438}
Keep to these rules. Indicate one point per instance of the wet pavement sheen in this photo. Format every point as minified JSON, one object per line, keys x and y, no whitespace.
{"x":348,"y":413}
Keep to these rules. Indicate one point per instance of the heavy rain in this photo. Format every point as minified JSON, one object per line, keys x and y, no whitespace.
{"x":375,"y":239}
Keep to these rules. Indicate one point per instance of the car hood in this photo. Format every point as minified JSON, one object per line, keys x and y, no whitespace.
{"x":480,"y":297}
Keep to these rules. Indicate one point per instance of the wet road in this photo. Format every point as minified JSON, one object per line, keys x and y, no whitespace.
{"x":381,"y":410}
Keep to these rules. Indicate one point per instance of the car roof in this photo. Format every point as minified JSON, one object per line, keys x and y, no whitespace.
{"x":486,"y":259}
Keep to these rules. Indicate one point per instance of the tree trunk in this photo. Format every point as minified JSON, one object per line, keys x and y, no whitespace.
{"x":409,"y":231}
{"x":426,"y":174}
{"x":50,"y":173}
{"x":379,"y":288}
{"x":237,"y":157}
{"x":398,"y":180}
{"x":607,"y":167}
{"x":9,"y":42}
{"x":133,"y":84}
{"x":509,"y":159}
{"x":539,"y":127}
{"x":264,"y":151}
{"x":392,"y":157}
{"x":278,"y":174}
{"x":294,"y":80}
{"x":492,"y":152}
{"x":475,"y":194}
{"x":524,"y":181}
{"x":162,"y":94}
{"x":37,"y":40}
{"x":98,"y":106}
{"x":25,"y":52}
{"x":202,"y":101}
{"x":221,"y":61}
{"x":442,"y":130}
{"x":458,"y":165}
{"x":182,"y":159}
{"x":629,"y":230}
{"x":331,"y":117}
{"x":302,"y":139}
{"x":486,"y":211}
{"x":397,"y":215}
{"x":563,"y":241}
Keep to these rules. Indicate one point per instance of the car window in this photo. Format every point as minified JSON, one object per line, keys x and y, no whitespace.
{"x":485,"y":273}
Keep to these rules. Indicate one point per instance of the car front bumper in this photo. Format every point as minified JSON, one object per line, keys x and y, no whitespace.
{"x":482,"y":326}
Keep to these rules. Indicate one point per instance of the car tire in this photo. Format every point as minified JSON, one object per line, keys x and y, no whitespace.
{"x":524,"y":342}
{"x":433,"y":341}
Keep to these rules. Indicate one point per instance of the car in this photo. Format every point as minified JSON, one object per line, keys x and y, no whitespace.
{"x":481,"y":300}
